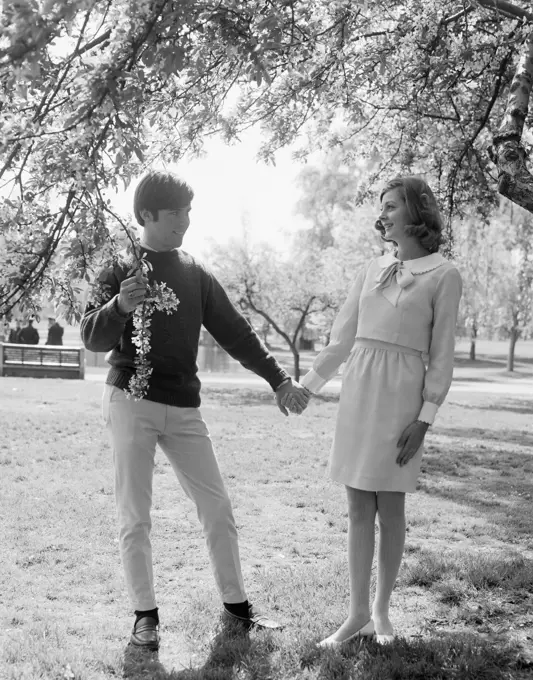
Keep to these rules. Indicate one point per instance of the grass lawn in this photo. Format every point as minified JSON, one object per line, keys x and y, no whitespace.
{"x":463,"y":603}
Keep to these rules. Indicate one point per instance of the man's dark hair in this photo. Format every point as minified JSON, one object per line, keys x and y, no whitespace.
{"x":159,"y":190}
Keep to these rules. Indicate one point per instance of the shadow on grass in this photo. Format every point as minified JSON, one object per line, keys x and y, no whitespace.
{"x":491,"y":479}
{"x":489,"y":437}
{"x":466,"y":362}
{"x":472,"y":379}
{"x":251,"y":396}
{"x":451,"y":656}
{"x":231,"y":650}
{"x":459,"y":575}
{"x":524,"y":406}
{"x":488,"y":360}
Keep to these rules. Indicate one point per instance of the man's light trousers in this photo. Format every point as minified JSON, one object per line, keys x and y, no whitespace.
{"x":135,"y":427}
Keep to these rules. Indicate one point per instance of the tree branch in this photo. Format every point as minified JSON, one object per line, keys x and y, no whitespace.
{"x":470,"y":142}
{"x":304,"y":314}
{"x":506,"y":8}
{"x":38,"y":269}
{"x":454,"y":17}
{"x":266,"y":316}
{"x":94,"y":43}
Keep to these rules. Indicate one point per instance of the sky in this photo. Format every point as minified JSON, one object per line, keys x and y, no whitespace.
{"x":229,"y":183}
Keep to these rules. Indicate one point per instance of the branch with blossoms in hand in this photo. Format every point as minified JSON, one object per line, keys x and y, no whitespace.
{"x":142,"y":298}
{"x":159,"y":298}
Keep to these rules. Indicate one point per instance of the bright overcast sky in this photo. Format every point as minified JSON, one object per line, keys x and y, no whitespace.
{"x":228,"y":183}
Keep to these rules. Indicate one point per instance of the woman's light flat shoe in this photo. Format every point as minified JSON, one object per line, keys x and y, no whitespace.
{"x":384,"y":639}
{"x":366,"y":631}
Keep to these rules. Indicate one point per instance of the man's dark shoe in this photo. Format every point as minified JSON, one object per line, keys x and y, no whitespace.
{"x":253,"y":620}
{"x":145,"y":634}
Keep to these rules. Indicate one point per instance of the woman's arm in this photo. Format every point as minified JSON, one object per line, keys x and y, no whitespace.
{"x":343,"y":332}
{"x":441,"y":352}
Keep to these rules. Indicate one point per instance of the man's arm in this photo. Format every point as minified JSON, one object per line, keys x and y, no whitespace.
{"x":234,"y":334}
{"x":103,"y":321}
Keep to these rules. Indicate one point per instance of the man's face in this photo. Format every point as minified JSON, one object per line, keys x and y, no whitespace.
{"x":168,"y":232}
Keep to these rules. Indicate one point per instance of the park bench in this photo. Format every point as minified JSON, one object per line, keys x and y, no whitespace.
{"x":48,"y":361}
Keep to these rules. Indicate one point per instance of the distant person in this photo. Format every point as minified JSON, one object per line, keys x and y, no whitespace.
{"x":29,"y":335}
{"x":14,"y":333}
{"x":402,"y":307}
{"x":5,"y":330}
{"x":169,"y":414}
{"x":55,"y":332}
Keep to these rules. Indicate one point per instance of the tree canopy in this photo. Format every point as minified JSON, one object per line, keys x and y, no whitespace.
{"x":92,"y":92}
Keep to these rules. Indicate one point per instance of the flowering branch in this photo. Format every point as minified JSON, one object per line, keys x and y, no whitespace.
{"x":159,"y":298}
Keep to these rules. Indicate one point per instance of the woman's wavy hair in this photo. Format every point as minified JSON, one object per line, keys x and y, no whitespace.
{"x":422,"y":208}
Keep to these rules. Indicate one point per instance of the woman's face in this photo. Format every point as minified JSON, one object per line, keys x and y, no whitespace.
{"x":394,"y":215}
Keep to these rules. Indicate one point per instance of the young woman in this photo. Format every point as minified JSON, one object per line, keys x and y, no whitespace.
{"x":401,"y":308}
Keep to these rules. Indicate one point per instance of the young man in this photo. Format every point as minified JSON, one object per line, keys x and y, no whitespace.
{"x":169,"y":413}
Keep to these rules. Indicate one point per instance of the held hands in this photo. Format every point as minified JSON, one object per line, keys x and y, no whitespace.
{"x":410,"y":441}
{"x":292,"y":396}
{"x":132,"y":292}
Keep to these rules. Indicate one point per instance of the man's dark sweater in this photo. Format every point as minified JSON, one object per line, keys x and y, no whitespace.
{"x":175,"y":336}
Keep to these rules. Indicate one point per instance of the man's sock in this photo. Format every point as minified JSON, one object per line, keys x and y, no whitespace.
{"x":150,"y":612}
{"x":238,"y":608}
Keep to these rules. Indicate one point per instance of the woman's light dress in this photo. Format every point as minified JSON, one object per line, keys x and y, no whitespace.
{"x":398,"y":318}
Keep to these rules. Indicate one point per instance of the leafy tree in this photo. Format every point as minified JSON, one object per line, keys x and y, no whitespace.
{"x":286,"y":293}
{"x":514,"y":291}
{"x":355,"y":241}
{"x":497,"y":269}
{"x":432,"y":95}
{"x":340,"y":232}
{"x":328,"y":188}
{"x":479,"y":258}
{"x":93,"y":91}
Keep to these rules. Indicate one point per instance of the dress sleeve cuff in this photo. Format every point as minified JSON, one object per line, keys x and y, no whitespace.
{"x":313,"y":381}
{"x":428,"y":412}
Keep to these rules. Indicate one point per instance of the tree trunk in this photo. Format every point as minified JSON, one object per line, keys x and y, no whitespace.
{"x":515,"y":182}
{"x":265,"y":330}
{"x":473,"y":338}
{"x":512,"y":345}
{"x":296,"y":356}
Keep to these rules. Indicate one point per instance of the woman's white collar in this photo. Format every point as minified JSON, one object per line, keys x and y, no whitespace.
{"x":419,"y":266}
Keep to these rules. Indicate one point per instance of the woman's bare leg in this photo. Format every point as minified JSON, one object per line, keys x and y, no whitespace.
{"x":391,"y":518}
{"x":362,"y":506}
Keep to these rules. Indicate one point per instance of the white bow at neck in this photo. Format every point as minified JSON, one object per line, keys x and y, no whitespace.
{"x":395,"y":275}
